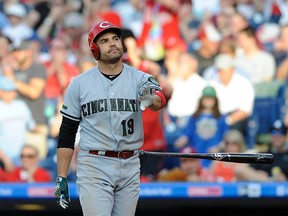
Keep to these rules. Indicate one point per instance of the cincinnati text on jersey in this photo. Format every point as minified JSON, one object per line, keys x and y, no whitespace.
{"x":116,"y":104}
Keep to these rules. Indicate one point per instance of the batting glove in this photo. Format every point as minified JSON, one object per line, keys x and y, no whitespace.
{"x":62,"y":192}
{"x":146,"y":97}
{"x":146,"y":94}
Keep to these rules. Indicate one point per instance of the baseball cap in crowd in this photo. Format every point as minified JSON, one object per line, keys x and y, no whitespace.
{"x":278,"y":128}
{"x":73,"y":20}
{"x":224,"y":61}
{"x":209,"y":91}
{"x":6,"y":84}
{"x":16,"y":9}
{"x":23,"y":45}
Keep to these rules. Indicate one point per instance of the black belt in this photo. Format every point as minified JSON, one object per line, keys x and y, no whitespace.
{"x":116,"y":154}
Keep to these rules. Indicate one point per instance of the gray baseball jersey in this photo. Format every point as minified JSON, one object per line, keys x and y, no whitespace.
{"x":109,"y":110}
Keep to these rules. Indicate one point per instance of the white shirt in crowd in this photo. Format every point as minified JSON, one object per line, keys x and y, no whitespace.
{"x":185,"y":96}
{"x":260,"y":66}
{"x":238,"y":94}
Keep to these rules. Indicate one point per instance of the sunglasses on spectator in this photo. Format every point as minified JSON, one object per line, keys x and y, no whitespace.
{"x":30,"y":156}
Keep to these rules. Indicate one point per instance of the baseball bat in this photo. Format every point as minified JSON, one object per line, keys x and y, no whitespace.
{"x":251,"y":158}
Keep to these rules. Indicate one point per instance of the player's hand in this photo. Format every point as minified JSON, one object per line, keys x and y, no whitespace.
{"x":146,"y":97}
{"x":62,"y":192}
{"x":146,"y":94}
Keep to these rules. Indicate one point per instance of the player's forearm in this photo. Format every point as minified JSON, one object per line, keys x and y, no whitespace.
{"x":64,"y":156}
{"x":159,"y":101}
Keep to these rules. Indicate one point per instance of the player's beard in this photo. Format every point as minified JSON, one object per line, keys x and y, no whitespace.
{"x":114,"y":59}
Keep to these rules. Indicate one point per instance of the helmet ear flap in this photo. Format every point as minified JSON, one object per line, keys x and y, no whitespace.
{"x":94,"y":50}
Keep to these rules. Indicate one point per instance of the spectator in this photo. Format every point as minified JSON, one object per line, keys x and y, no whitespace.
{"x":28,"y":171}
{"x":71,"y":33}
{"x":281,"y":53}
{"x":38,"y":48}
{"x":160,"y":24}
{"x":235,"y":92}
{"x":15,"y":116}
{"x":46,"y":18}
{"x":30,"y":80}
{"x":5,"y":53}
{"x":188,"y":22}
{"x":84,"y":58}
{"x":236,"y":23}
{"x":206,"y":126}
{"x":17,"y":30}
{"x":258,"y":63}
{"x":131,"y":13}
{"x":228,"y":47}
{"x":189,"y":170}
{"x":174,"y":48}
{"x":233,"y":142}
{"x":223,"y":17}
{"x":187,"y":87}
{"x":209,"y":38}
{"x":59,"y":74}
{"x":278,"y":170}
{"x":6,"y":45}
{"x":6,"y":165}
{"x":3,"y":20}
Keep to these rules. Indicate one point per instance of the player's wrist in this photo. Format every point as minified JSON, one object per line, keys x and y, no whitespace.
{"x":162,"y":98}
{"x":60,"y":178}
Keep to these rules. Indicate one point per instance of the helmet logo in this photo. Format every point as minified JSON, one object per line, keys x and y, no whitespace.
{"x":105,"y":24}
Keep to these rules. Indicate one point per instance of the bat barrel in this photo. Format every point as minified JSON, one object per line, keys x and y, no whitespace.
{"x":253,"y":158}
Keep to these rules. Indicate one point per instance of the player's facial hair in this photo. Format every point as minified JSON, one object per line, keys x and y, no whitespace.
{"x":112,"y":60}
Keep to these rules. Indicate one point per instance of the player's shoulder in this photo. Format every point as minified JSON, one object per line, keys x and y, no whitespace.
{"x":133,"y":71}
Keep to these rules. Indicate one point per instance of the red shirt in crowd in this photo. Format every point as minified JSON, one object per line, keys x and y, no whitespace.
{"x":168,"y":19}
{"x":53,"y":88}
{"x":19,"y":175}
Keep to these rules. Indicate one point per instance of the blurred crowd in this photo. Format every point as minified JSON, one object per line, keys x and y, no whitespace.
{"x":221,"y":64}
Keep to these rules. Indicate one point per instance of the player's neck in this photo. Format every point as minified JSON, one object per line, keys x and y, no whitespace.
{"x":110,"y":69}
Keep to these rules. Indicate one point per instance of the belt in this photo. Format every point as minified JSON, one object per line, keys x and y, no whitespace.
{"x":116,"y":154}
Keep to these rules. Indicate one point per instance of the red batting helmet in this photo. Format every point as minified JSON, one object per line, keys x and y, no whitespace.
{"x":97,"y":29}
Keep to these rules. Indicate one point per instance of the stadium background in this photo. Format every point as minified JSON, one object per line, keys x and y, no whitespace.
{"x":229,"y":199}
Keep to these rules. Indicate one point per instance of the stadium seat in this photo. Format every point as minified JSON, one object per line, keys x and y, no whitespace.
{"x":269,"y":105}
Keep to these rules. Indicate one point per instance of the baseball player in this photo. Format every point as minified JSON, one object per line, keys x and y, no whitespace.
{"x":106,"y":102}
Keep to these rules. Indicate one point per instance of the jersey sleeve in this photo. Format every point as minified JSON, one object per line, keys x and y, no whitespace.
{"x":71,"y":107}
{"x":149,"y":80}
